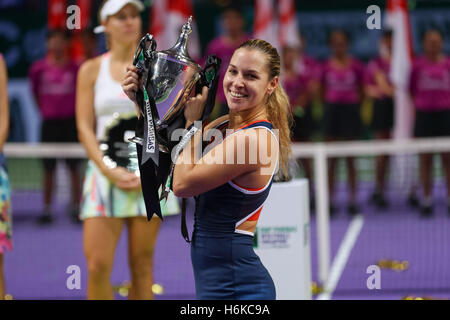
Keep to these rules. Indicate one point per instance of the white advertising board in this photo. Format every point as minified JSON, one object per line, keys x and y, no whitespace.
{"x":282,"y":239}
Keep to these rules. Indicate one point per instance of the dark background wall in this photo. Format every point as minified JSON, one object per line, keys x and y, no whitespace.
{"x":23,"y":25}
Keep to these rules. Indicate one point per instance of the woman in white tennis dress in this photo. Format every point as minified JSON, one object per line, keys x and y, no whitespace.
{"x":112,"y":198}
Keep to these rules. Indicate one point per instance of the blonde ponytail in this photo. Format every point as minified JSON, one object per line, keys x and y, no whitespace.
{"x":279,"y":114}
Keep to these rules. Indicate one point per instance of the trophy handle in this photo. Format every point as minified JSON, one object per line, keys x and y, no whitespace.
{"x":140,"y":61}
{"x":146,"y":46}
{"x":137,"y":140}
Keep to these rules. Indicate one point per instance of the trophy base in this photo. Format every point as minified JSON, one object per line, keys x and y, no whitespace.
{"x":140,"y":141}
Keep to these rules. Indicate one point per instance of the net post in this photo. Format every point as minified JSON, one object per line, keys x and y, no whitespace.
{"x":322,"y":205}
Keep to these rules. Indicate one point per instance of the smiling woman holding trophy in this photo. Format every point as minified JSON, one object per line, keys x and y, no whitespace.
{"x":112,"y":195}
{"x":229,"y":193}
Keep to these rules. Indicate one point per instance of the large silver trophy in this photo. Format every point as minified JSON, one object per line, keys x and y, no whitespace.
{"x":169,"y":78}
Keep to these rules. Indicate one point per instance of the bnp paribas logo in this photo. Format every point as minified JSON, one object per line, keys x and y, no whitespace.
{"x":273,"y":237}
{"x":255,"y":239}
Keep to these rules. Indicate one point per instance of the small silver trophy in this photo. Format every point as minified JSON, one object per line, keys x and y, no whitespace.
{"x":117,"y":149}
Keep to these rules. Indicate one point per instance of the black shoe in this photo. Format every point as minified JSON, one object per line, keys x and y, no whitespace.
{"x":312,"y":205}
{"x":379,"y":201}
{"x":352,"y":209}
{"x":426,"y":210}
{"x":74,"y":212}
{"x":413,"y":201}
{"x":333,"y":210}
{"x":45,"y":219}
{"x":76,"y":219}
{"x":374,"y":196}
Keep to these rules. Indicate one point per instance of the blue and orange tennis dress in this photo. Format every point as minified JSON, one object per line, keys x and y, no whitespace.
{"x":225,"y":265}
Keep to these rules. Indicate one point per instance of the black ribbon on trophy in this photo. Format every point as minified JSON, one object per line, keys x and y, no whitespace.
{"x":169,"y":78}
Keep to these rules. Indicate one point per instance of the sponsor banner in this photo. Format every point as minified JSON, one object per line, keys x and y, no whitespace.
{"x":282,"y":239}
{"x":275,"y":237}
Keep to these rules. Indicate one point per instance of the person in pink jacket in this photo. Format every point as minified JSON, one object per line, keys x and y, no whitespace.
{"x":342,"y":90}
{"x":379,"y":87}
{"x":53,"y":81}
{"x":300,"y":79}
{"x":224,"y":46}
{"x":430,"y":89}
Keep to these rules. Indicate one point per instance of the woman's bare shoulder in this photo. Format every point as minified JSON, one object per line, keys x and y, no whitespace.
{"x":216,"y":122}
{"x":90,"y":68}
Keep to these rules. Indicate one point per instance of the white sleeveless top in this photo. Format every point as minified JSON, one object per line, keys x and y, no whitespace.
{"x":109,"y":97}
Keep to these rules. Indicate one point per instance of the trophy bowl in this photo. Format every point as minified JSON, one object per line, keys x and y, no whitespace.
{"x":170,"y":82}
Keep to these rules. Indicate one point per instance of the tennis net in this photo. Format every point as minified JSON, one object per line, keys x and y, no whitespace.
{"x":411,"y":252}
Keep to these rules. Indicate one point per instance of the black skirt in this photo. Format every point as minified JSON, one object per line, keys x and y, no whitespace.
{"x":342,"y":121}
